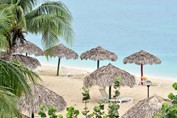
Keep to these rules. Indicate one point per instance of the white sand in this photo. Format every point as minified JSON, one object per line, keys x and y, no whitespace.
{"x":70,"y":88}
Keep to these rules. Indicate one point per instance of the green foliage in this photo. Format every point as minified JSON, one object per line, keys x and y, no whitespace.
{"x":169,"y":111}
{"x":116,"y":87}
{"x":16,"y":77}
{"x":98,"y":111}
{"x":175,"y":86}
{"x":85,"y":99}
{"x":113,"y":110}
{"x":85,"y":94}
{"x":52,"y":112}
{"x":42,"y":111}
{"x":6,"y":18}
{"x":8,"y":106}
{"x":71,"y":112}
{"x":173,"y":97}
{"x":117,"y":82}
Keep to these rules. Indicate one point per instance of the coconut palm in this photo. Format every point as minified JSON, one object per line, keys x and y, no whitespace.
{"x":14,"y":77}
{"x":51,"y":19}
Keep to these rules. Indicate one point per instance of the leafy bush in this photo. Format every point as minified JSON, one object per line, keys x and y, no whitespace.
{"x":71,"y":112}
{"x":169,"y":111}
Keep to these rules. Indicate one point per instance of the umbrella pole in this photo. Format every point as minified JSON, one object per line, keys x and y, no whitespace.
{"x":141,"y":74}
{"x":32,"y":115}
{"x":58,"y":68}
{"x":98,"y":63}
{"x":109,"y":92}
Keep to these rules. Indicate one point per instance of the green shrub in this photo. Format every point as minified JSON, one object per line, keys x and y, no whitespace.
{"x":169,"y":111}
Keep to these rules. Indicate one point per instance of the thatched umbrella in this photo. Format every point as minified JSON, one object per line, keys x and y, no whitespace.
{"x":30,"y":62}
{"x":28,"y":48}
{"x":141,"y":58}
{"x":104,"y":76}
{"x":98,"y":54}
{"x":41,"y":95}
{"x":146,"y":108}
{"x":61,"y":51}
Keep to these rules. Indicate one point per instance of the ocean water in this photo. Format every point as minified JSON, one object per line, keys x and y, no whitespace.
{"x":123,"y":27}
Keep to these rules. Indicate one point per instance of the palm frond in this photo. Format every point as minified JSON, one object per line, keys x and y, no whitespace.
{"x":16,"y":77}
{"x":6,"y":21}
{"x":52,"y":19}
{"x":29,"y":74}
{"x":49,"y":39}
{"x":8,"y":104}
{"x":5,"y":1}
{"x":21,"y":20}
{"x":3,"y":42}
{"x":54,"y":8}
{"x":26,"y":5}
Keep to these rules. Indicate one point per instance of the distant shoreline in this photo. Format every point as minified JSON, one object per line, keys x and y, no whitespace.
{"x":137,"y":75}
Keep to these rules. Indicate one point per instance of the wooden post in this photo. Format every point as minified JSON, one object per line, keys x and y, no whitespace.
{"x":98,"y":63}
{"x":148,"y":91}
{"x":32,"y":115}
{"x":141,"y":74}
{"x":109,"y":92}
{"x":58,"y":68}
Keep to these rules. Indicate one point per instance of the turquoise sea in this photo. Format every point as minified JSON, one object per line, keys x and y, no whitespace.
{"x":124,"y":27}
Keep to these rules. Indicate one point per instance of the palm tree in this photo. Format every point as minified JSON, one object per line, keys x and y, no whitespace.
{"x":14,"y":77}
{"x":51,"y":19}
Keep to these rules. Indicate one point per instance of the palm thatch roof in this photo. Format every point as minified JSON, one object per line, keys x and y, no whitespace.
{"x":99,"y":53}
{"x":146,"y":108}
{"x":41,"y":95}
{"x":61,"y":51}
{"x":29,"y":48}
{"x":30,"y":62}
{"x":24,"y":116}
{"x":142,"y":57}
{"x":104,"y":76}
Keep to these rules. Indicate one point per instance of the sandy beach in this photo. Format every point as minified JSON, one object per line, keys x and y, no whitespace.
{"x":69,"y":87}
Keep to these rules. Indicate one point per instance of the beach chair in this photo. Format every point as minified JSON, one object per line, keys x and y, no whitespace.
{"x":64,"y":73}
{"x":122,"y":99}
{"x":104,"y":94}
{"x":118,"y":100}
